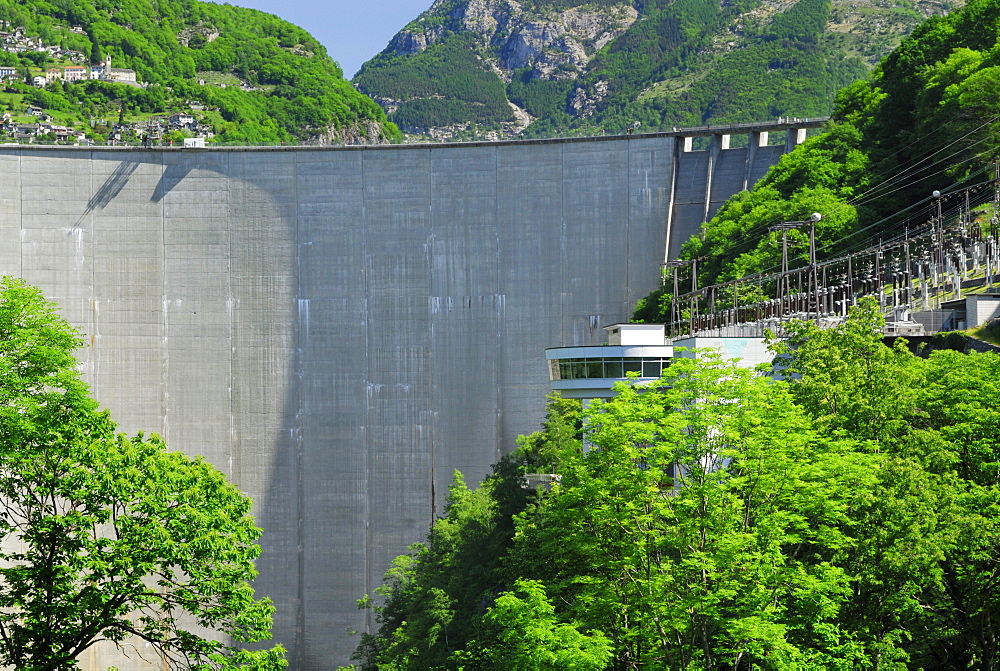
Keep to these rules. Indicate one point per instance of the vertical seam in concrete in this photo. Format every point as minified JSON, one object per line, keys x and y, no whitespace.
{"x":164,"y":341}
{"x":430,"y":322}
{"x":628,"y":220}
{"x":366,"y":442}
{"x":234,"y":453}
{"x":300,"y":530}
{"x":498,"y":363}
{"x":163,"y":258}
{"x":563,"y":247}
{"x":20,"y":213}
{"x":95,"y":378}
{"x":20,"y":216}
{"x":675,"y":162}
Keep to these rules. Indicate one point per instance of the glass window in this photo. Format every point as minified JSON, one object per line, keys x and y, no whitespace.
{"x":582,"y":369}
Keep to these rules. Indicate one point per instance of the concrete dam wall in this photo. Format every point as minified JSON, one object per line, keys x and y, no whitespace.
{"x":338,"y":330}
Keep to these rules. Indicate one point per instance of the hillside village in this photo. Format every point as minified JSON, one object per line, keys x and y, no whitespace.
{"x":17,"y":42}
{"x":154,"y":131}
{"x":177,"y":128}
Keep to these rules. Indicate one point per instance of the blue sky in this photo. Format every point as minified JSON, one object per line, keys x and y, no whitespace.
{"x":352,"y":31}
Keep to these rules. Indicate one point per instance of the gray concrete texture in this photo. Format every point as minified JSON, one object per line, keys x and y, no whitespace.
{"x":339,"y":330}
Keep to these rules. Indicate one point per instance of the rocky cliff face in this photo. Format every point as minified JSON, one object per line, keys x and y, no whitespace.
{"x":561,"y":45}
{"x":367,"y":131}
{"x":554,"y":44}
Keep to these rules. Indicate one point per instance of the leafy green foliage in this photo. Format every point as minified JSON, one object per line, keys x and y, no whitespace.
{"x":865,"y":390}
{"x":694,"y":533}
{"x":559,"y":441}
{"x":529,"y":636}
{"x":540,"y":97}
{"x":294,"y":90}
{"x":434,"y":596}
{"x":929,"y":532}
{"x":843,"y":518}
{"x":108,"y":537}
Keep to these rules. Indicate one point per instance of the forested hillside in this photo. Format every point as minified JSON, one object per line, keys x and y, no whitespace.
{"x":924,"y":120}
{"x":844,"y":518}
{"x":571,"y":66}
{"x":250,"y":75}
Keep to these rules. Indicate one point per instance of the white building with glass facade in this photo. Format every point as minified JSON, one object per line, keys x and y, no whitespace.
{"x":590,"y":372}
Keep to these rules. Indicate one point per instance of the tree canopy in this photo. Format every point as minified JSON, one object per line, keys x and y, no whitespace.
{"x":841,"y":517}
{"x":107,"y":537}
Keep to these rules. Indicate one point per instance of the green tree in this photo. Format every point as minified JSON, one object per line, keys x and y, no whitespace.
{"x":108,"y":537}
{"x":699,"y":530}
{"x":926,"y":542}
{"x":559,"y":440}
{"x":530,"y":638}
{"x":846,"y":377}
{"x":174,"y":137}
{"x":433,"y":596}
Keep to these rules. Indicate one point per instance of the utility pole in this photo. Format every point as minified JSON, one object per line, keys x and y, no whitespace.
{"x":906,"y":273}
{"x":675,"y":307}
{"x":783,"y":288}
{"x":937,"y":238}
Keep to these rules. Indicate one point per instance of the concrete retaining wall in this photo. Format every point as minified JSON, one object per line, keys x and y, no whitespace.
{"x":340,"y":329}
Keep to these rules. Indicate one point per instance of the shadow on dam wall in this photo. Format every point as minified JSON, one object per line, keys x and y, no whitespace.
{"x":340,"y":329}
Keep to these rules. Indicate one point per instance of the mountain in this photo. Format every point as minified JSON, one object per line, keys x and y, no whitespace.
{"x":541,"y":67}
{"x":924,"y":121}
{"x":247,"y":75}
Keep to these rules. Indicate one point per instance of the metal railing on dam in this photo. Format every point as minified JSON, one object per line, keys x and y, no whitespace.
{"x":794,"y":124}
{"x":340,"y":329}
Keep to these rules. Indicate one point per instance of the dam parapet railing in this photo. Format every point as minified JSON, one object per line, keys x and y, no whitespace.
{"x":795,"y":127}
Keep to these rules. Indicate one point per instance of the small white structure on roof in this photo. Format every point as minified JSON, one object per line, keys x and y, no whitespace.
{"x":636,"y":334}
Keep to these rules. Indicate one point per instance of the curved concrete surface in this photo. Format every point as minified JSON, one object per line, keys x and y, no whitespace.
{"x":340,"y":329}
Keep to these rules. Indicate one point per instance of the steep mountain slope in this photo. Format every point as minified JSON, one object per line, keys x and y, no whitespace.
{"x":576,"y":65}
{"x":254,"y":77}
{"x":925,"y":120}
